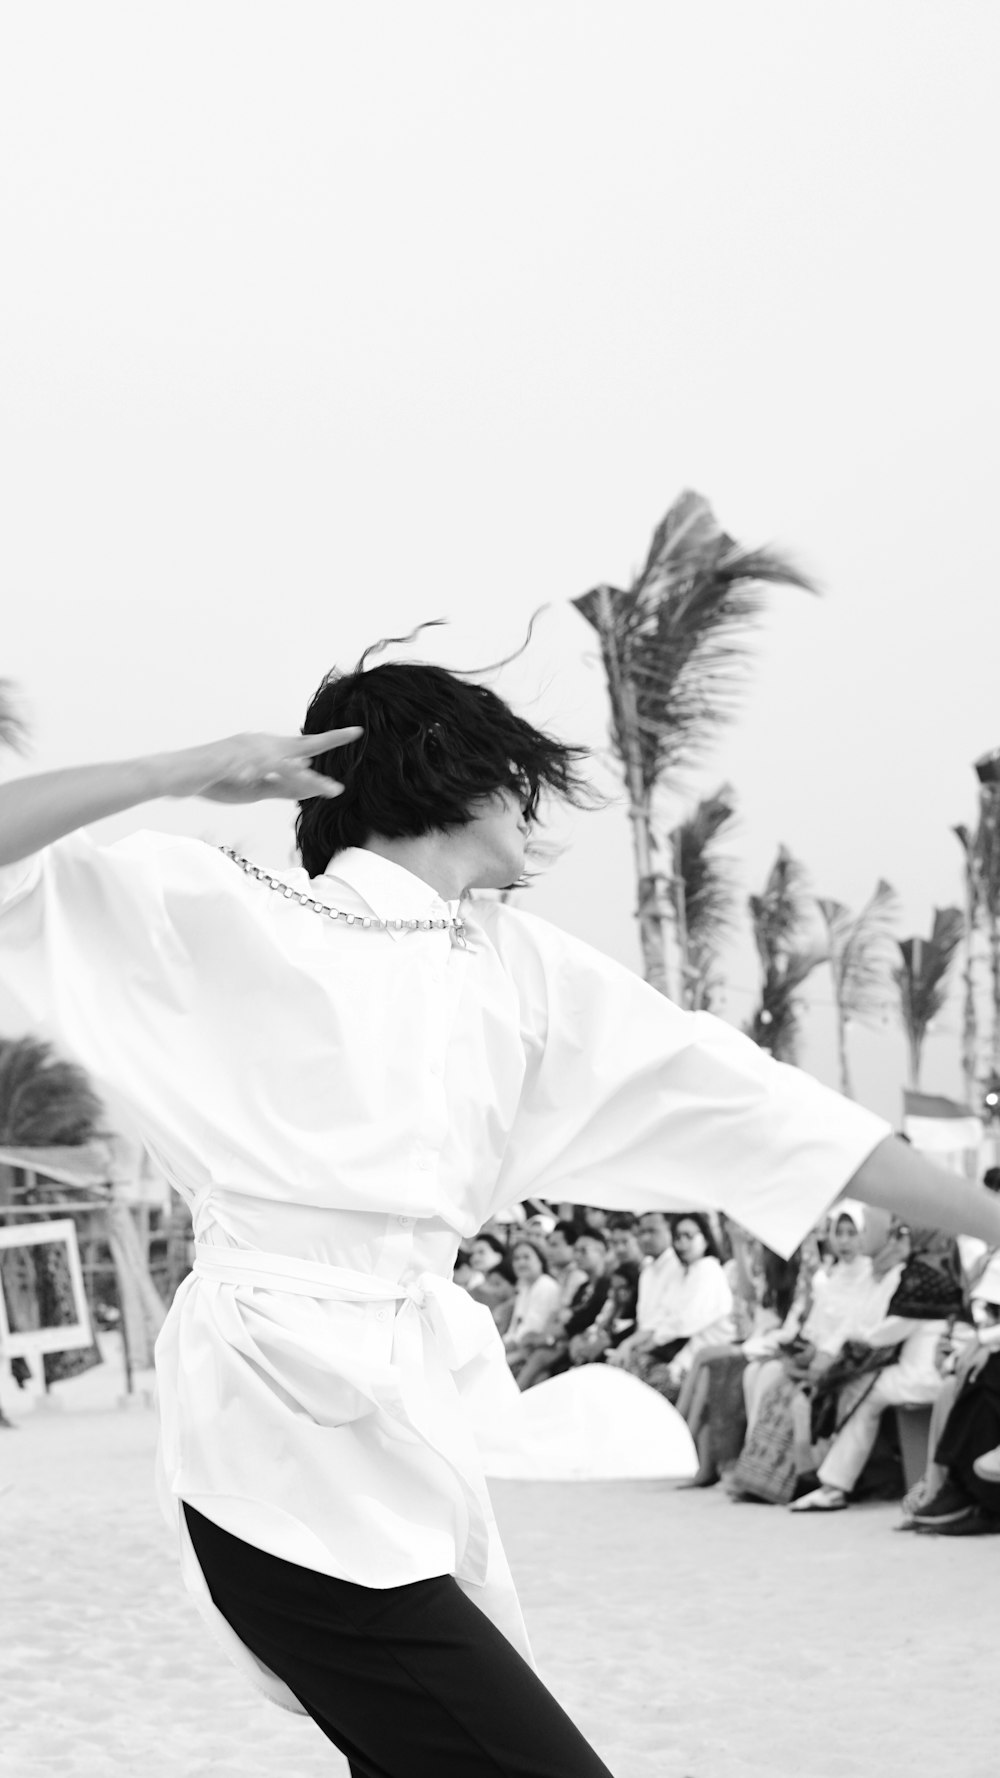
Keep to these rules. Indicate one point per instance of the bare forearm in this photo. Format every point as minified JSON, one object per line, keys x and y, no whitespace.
{"x":35,"y":811}
{"x":896,"y":1178}
{"x":240,"y":769}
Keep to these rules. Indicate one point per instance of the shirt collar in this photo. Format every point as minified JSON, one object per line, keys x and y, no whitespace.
{"x":390,"y":891}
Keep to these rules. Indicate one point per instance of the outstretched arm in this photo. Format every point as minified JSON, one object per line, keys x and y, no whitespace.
{"x":36,"y":811}
{"x":896,"y":1178}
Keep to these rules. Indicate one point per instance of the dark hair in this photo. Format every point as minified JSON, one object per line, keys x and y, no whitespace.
{"x":703,"y":1226}
{"x":536,"y":1248}
{"x":991,"y":1179}
{"x":621,"y":1219}
{"x":505,"y":1268}
{"x":589,"y":1234}
{"x":568,"y":1230}
{"x":780,"y":1279}
{"x":434,"y":745}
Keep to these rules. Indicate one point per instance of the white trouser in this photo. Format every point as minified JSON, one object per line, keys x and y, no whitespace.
{"x":853,"y":1446}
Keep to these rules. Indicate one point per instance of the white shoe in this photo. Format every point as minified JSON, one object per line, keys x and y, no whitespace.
{"x":988,"y":1465}
{"x":821,"y":1500}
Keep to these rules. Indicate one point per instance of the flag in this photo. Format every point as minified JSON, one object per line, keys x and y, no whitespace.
{"x":940,"y":1126}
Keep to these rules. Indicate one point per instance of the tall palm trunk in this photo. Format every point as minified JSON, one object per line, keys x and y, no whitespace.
{"x":843,"y":1062}
{"x":970,"y":1020}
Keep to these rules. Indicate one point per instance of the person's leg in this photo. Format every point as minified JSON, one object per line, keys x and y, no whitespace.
{"x":759,"y":1377}
{"x":409,"y":1682}
{"x":544,"y":1362}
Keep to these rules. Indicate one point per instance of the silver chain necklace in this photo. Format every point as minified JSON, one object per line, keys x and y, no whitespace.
{"x":453,"y":924}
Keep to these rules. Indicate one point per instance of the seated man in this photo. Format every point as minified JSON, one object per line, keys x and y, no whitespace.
{"x":616,"y":1320}
{"x":658,"y":1277}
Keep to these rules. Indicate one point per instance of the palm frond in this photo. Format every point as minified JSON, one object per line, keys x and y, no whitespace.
{"x":45,"y":1102}
{"x":676,"y":640}
{"x":861,"y":951}
{"x":779,"y":916}
{"x":13,"y":731}
{"x":703,"y":890}
{"x":776,"y":1021}
{"x":921,"y":976}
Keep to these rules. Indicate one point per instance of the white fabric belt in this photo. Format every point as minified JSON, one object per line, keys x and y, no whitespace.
{"x":462,"y":1331}
{"x":303,"y":1277}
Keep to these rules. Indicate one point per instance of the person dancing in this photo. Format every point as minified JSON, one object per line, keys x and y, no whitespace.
{"x":344,"y":1068}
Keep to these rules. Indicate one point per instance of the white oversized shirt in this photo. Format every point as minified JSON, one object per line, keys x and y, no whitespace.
{"x":658,"y":1279}
{"x":338,"y":1105}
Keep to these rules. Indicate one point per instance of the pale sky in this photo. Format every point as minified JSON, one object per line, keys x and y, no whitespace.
{"x":321,"y":319}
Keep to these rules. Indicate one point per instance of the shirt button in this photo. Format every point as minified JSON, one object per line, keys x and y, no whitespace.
{"x":405,"y":1221}
{"x":382,"y":1315}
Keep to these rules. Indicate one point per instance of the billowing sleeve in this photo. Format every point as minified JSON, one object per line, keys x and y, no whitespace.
{"x":87,"y":943}
{"x":630,"y":1103}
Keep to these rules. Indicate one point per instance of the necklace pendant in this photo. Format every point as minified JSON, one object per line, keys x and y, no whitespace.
{"x":458,"y":937}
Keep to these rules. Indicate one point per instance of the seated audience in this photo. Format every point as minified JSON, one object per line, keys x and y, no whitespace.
{"x":616,"y":1319}
{"x":922,"y":1310}
{"x":559,"y":1247}
{"x":711,"y":1398}
{"x":838,"y":1306}
{"x":536,"y":1298}
{"x":659,"y":1272}
{"x":699,"y":1311}
{"x":491,"y":1280}
{"x":552,"y":1357}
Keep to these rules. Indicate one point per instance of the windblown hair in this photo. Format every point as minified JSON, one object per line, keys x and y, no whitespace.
{"x":434,"y":745}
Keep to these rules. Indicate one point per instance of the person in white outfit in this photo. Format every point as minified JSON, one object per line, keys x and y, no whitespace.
{"x":345,"y":1068}
{"x":912,"y":1380}
{"x":536,"y":1297}
{"x":659,"y":1278}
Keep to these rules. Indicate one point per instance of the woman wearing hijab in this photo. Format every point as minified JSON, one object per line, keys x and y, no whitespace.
{"x":841,"y":1304}
{"x":893,"y":1362}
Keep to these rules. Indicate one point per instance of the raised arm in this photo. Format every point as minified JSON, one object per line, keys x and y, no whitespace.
{"x":896,"y":1178}
{"x":37,"y":810}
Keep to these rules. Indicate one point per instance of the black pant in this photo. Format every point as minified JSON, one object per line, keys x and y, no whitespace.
{"x":409,"y":1682}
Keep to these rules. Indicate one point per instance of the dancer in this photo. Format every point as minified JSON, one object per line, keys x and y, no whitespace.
{"x":344,"y":1068}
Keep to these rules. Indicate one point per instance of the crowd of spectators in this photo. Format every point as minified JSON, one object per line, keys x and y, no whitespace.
{"x":792,"y":1375}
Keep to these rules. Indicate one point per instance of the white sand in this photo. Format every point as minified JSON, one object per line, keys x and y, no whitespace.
{"x":690,"y":1637}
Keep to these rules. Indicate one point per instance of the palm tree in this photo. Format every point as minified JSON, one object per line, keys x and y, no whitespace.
{"x":860,"y":955}
{"x":780,"y":917}
{"x":922,"y":979}
{"x":674,"y":646}
{"x":45,"y":1102}
{"x":702,"y":894}
{"x":988,"y":874}
{"x":970,"y":1021}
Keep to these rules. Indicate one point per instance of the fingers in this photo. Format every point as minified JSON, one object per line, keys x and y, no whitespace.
{"x":308,"y":745}
{"x":299,"y":785}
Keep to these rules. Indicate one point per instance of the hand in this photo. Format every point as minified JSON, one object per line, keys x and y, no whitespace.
{"x":248,"y":768}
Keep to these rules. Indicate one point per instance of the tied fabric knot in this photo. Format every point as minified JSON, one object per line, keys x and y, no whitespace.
{"x":461,"y":1332}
